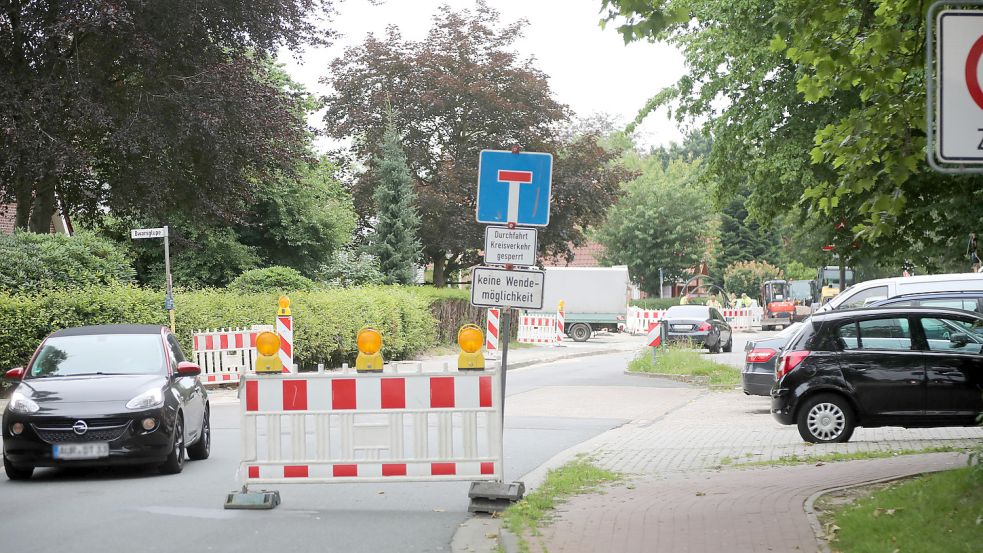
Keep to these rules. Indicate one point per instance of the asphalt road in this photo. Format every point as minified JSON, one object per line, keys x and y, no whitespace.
{"x":139,"y":510}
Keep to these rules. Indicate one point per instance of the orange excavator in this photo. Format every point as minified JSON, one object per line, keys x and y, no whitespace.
{"x":779,"y":309}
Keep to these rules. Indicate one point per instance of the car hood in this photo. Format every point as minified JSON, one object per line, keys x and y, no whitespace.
{"x":85,"y":389}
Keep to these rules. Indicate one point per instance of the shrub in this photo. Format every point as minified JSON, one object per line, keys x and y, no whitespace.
{"x":32,"y":262}
{"x":271,"y":279}
{"x":326,"y":321}
{"x":350,"y":268}
{"x":745,"y":277}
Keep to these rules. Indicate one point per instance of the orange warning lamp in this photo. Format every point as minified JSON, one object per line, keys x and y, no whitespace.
{"x":471,"y":339}
{"x":369,"y":342}
{"x":268,"y":347}
{"x":284,"y":304}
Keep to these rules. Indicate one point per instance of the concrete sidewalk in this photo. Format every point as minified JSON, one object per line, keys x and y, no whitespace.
{"x":738,"y":511}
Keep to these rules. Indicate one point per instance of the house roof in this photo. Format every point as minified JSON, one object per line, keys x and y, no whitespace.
{"x":586,"y":255}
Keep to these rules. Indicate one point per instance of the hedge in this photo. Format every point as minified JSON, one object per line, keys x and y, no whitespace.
{"x":326,"y":321}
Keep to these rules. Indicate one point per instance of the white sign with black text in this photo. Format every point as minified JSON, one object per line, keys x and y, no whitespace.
{"x":515,"y":246}
{"x":139,"y":233}
{"x":491,"y":287}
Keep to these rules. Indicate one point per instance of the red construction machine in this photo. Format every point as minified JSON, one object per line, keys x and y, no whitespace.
{"x":779,"y":309}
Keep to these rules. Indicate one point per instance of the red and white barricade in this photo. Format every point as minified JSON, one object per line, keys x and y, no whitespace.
{"x":560,"y":327}
{"x":225,"y":354}
{"x":491,"y":332}
{"x":537,"y":329}
{"x":640,"y":321}
{"x":371,"y":427}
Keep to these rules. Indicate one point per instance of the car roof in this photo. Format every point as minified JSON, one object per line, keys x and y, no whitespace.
{"x":108,"y":329}
{"x":838,"y":314}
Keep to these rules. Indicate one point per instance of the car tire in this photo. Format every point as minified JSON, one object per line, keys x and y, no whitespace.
{"x":200,"y":450}
{"x":826,"y":418}
{"x":175,"y":460}
{"x":16,"y":473}
{"x":729,"y":347}
{"x":580,"y":332}
{"x":716,"y":347}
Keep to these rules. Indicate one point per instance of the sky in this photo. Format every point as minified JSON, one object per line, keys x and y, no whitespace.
{"x":590,"y":69}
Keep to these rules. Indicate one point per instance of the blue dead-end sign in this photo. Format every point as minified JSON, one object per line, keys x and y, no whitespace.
{"x":514,"y":188}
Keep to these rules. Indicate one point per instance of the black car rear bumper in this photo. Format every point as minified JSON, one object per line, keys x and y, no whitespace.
{"x":782,"y":406}
{"x":757,"y":381}
{"x":698,"y":339}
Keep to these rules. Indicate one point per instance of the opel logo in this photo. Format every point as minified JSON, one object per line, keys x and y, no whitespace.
{"x":80,"y":427}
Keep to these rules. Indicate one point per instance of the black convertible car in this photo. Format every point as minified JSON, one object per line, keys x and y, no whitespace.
{"x":105,"y":395}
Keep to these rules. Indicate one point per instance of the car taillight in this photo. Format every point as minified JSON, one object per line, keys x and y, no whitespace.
{"x":789,"y":361}
{"x":704,"y":327}
{"x":759,"y":355}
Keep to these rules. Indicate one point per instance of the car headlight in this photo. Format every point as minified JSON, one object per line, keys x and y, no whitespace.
{"x":20,"y":403}
{"x":147,"y":400}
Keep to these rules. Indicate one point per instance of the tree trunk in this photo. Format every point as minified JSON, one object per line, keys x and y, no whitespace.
{"x":24,"y":197}
{"x":43,"y":207}
{"x":842,"y":274}
{"x":439,"y":273}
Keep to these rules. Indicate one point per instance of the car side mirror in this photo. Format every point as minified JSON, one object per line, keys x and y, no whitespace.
{"x":959,"y":339}
{"x":187,"y":368}
{"x":14,"y":374}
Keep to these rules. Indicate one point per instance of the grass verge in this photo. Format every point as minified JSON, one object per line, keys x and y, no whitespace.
{"x":788,"y":460}
{"x":682,"y":361}
{"x":576,"y":477}
{"x":937,"y":512}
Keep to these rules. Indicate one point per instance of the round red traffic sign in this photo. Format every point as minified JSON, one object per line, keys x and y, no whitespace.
{"x":972,"y":72}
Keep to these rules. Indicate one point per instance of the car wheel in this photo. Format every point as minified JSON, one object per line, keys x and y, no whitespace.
{"x":730,"y":345}
{"x":175,"y":460}
{"x":16,"y":473}
{"x":826,"y":418}
{"x":580,"y":332}
{"x":200,"y":449}
{"x":716,"y":347}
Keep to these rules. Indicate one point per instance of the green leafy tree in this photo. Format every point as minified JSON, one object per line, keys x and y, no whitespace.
{"x":821,"y":117}
{"x":746,"y":277}
{"x":742,"y":239}
{"x":799,"y":271}
{"x":352,"y":268}
{"x":663,"y":221}
{"x":147,"y":109}
{"x":460,"y":90}
{"x":394,"y":241}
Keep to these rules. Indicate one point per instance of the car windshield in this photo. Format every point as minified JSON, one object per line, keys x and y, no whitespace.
{"x":688,"y":311}
{"x":800,"y":290}
{"x":99,"y":354}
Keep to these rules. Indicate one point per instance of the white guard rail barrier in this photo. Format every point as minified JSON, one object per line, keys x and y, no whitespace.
{"x":343,"y":426}
{"x":537,"y":329}
{"x":225,"y":354}
{"x":641,"y":320}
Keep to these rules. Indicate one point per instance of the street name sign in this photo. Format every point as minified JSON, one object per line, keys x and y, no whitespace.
{"x":514,"y":188}
{"x":139,"y":233}
{"x":505,"y":246}
{"x":491,"y":287}
{"x":960,"y":91}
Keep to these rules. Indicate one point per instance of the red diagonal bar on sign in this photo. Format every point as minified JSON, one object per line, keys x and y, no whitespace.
{"x":514,"y":176}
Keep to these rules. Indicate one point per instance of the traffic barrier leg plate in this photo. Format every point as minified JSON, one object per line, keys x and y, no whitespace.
{"x":261,"y":500}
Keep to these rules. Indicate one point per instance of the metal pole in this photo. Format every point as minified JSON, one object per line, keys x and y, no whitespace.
{"x":169,"y":300}
{"x":661,"y":285}
{"x":506,"y":323}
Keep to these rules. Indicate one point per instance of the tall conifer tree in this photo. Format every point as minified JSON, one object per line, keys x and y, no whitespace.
{"x":395,"y":241}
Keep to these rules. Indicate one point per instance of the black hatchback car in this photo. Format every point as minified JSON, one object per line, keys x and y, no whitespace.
{"x":919,"y":367}
{"x":106,"y":395}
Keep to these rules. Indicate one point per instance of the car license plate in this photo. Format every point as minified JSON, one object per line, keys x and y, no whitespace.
{"x":682,"y":327}
{"x":94,"y":450}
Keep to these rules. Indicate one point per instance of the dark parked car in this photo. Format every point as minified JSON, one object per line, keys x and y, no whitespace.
{"x":758,"y":375}
{"x":968,"y":301}
{"x":701,"y":325}
{"x":106,"y":395}
{"x":880,"y":367}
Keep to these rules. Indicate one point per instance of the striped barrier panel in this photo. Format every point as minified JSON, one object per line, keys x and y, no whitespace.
{"x":491,"y":332}
{"x":225,"y":354}
{"x":560,"y":326}
{"x":537,"y":329}
{"x":371,"y":427}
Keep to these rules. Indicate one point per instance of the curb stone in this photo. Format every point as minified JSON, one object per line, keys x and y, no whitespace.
{"x":686,"y":378}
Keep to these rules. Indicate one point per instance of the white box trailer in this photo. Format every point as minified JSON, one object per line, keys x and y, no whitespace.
{"x":595,"y":298}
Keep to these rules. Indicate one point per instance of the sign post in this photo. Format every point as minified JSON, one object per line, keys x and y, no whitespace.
{"x":161,"y":232}
{"x":514,"y":189}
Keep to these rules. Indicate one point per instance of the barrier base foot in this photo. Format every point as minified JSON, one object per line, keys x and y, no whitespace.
{"x":494,"y":497}
{"x":260,"y":500}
